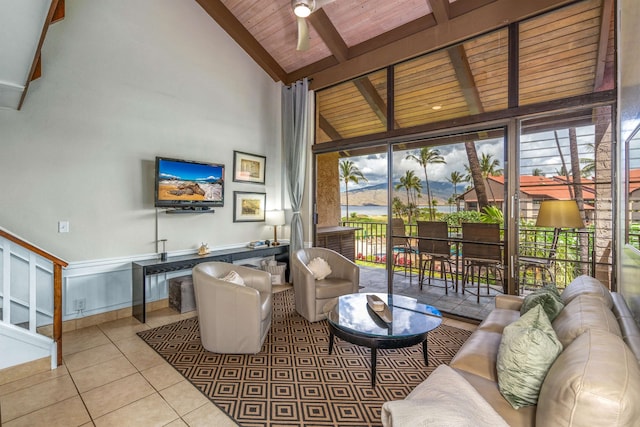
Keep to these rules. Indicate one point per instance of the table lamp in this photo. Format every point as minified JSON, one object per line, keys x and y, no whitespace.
{"x":275,"y":218}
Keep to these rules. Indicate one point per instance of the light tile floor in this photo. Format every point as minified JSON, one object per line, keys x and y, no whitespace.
{"x":110,"y":377}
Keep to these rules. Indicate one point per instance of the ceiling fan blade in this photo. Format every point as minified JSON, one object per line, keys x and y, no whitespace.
{"x":303,"y":34}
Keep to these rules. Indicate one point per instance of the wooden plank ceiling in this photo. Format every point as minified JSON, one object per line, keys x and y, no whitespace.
{"x":349,"y":38}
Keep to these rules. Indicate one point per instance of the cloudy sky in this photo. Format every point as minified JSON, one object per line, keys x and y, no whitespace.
{"x":538,"y":150}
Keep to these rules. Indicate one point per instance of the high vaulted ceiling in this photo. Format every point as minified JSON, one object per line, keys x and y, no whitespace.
{"x":349,"y":38}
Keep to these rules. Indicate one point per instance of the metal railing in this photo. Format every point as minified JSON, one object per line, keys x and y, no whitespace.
{"x":573,"y":254}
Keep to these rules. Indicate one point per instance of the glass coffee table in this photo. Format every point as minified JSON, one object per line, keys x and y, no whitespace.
{"x":352,"y":320}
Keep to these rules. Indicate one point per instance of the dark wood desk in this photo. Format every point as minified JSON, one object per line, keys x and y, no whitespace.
{"x":142,"y":269}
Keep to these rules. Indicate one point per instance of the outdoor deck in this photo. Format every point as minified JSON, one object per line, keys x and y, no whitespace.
{"x":374,"y":279}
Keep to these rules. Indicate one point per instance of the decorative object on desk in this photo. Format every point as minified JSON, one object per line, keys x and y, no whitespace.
{"x":163,"y":254}
{"x":248,"y":167}
{"x":380,"y":308}
{"x":204,"y":249}
{"x":248,"y":207}
{"x":274,"y":219}
{"x":257,"y":244}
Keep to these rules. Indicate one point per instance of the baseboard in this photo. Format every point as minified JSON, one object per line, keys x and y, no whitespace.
{"x":109,"y":316}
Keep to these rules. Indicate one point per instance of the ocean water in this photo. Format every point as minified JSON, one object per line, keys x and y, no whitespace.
{"x":382,"y":210}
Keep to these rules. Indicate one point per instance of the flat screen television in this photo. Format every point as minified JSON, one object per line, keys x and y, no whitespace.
{"x":188,"y":185}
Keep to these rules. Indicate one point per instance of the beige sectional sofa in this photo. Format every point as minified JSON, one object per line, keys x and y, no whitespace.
{"x":594,"y":381}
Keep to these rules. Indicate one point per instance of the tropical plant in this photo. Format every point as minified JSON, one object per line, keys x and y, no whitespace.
{"x":491,"y":215}
{"x":456,"y":178}
{"x":412,"y":185}
{"x":349,"y":172}
{"x":397,"y":207}
{"x":536,"y":172}
{"x":426,"y":157}
{"x":490,"y":166}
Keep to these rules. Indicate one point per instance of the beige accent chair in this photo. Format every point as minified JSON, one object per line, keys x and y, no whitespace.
{"x":233,"y":318}
{"x":312,"y":296}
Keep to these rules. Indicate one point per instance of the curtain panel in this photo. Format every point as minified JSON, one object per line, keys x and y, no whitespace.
{"x":295,"y":137}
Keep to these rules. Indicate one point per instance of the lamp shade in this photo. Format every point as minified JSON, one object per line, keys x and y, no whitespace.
{"x":274,"y":217}
{"x":559,"y":214}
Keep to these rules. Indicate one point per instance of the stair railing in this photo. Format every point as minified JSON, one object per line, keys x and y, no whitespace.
{"x":58,"y":265}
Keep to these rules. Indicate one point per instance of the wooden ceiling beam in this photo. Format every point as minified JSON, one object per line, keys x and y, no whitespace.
{"x":373,"y":98}
{"x":461,"y":66}
{"x":329,"y":34}
{"x":326,"y":127}
{"x":394,"y":35}
{"x":219,"y":12}
{"x":496,"y":14}
{"x":440,"y":10}
{"x":603,"y":44}
{"x":461,"y":7}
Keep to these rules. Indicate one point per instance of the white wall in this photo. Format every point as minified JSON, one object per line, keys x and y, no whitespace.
{"x":124,"y":81}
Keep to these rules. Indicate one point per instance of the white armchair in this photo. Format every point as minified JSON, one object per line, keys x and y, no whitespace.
{"x":233,"y":318}
{"x":312,"y":295}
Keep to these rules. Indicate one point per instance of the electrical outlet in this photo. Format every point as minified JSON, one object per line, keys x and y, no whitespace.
{"x":79,"y":304}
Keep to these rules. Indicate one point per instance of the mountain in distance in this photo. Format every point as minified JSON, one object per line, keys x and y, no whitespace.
{"x":376,"y":195}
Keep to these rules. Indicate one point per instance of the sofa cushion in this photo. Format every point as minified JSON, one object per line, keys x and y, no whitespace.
{"x":478,"y":355}
{"x":319,"y":267}
{"x":584,"y":312}
{"x":523,"y":417}
{"x":498,"y":319}
{"x":594,"y":382}
{"x":437,"y":402}
{"x":529,"y":346}
{"x":586,"y":285}
{"x":548,"y":298}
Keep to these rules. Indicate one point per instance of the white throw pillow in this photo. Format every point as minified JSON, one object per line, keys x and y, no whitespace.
{"x":233,"y":277}
{"x":319,"y":267}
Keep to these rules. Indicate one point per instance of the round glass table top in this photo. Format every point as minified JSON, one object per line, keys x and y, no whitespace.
{"x":409,"y":317}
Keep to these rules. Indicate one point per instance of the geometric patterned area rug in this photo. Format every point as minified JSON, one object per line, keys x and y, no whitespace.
{"x":293,"y":381}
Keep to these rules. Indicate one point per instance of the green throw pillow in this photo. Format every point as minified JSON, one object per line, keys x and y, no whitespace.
{"x":528,"y":348}
{"x":548,"y":297}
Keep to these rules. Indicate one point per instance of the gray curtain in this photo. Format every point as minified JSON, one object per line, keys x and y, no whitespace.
{"x":294,"y":141}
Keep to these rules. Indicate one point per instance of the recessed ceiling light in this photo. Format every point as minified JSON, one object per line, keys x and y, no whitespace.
{"x":436,"y":107}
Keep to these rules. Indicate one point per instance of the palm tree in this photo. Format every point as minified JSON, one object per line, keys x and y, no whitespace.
{"x":349,"y":172}
{"x":427,"y":156}
{"x":489,"y":166}
{"x":475,"y":172}
{"x":456,"y":178}
{"x":412,"y":185}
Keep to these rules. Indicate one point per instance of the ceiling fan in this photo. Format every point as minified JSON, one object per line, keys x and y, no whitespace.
{"x":302,"y":9}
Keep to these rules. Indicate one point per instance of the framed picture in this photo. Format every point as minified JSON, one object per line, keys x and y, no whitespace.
{"x":248,"y":207}
{"x":248,"y":167}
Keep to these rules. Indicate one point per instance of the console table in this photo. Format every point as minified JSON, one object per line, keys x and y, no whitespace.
{"x":142,"y":269}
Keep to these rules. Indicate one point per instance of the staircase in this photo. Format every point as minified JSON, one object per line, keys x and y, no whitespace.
{"x":30,"y":301}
